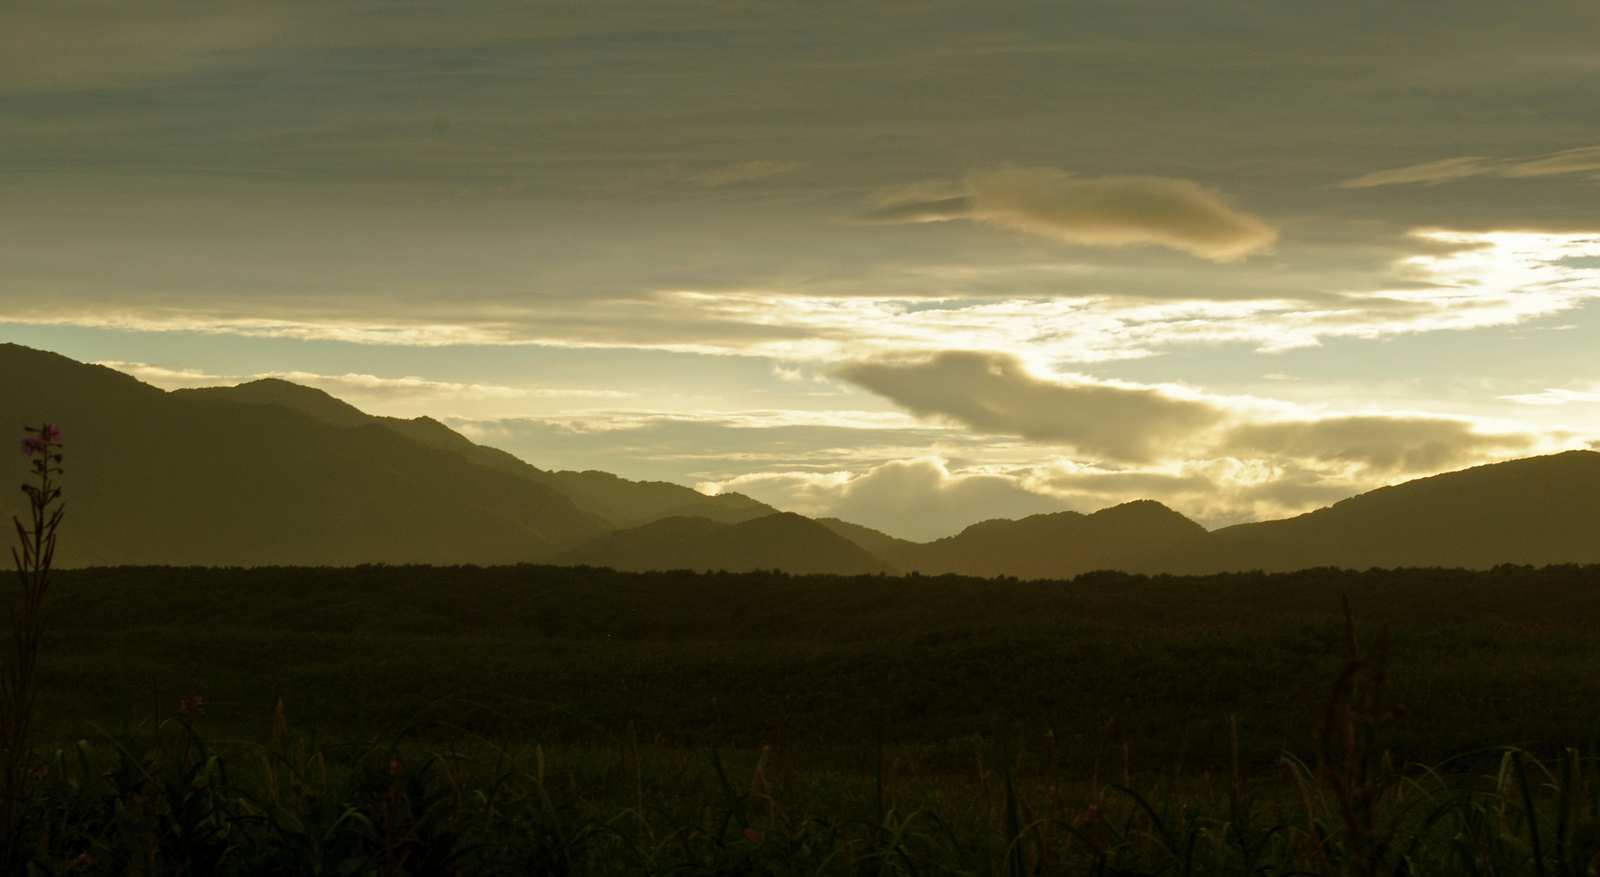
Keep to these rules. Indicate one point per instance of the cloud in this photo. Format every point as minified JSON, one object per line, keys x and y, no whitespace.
{"x":372,"y":385}
{"x":994,"y":393}
{"x":1567,"y":161}
{"x":1251,"y":471}
{"x":408,"y":396}
{"x":1449,"y":280}
{"x":1376,"y":444}
{"x":1110,"y":211}
{"x":1554,"y":396}
{"x":167,"y":378}
{"x":918,"y":499}
{"x":741,"y":172}
{"x":1428,"y":172}
{"x":1126,"y":423}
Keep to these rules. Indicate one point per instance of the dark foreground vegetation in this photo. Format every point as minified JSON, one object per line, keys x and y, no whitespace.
{"x":542,"y":720}
{"x":1166,"y":665}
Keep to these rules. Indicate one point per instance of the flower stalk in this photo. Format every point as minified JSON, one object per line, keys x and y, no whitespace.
{"x":33,"y":557}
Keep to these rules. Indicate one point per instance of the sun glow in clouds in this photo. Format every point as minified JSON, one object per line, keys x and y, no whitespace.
{"x":1481,"y":279}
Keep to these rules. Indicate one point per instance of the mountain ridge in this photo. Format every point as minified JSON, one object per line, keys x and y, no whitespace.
{"x":786,"y":541}
{"x":620,"y":502}
{"x":274,"y":473}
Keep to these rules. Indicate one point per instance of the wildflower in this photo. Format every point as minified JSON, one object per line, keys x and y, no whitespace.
{"x":190,"y":709}
{"x":395,"y":769}
{"x":1090,"y":816}
{"x":752,"y":835}
{"x":82,"y":861}
{"x":49,"y":433}
{"x":31,"y":446}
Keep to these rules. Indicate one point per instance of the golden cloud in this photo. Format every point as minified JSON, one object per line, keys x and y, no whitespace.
{"x":1111,"y":211}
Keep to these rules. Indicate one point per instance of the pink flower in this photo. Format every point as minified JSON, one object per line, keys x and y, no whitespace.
{"x":1090,"y":816}
{"x":191,"y":709}
{"x":395,"y":769}
{"x":50,"y":433}
{"x":82,"y":861}
{"x":31,"y":446}
{"x":752,"y":835}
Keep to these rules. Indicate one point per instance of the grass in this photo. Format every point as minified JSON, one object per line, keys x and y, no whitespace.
{"x":739,"y":661}
{"x":853,"y":725}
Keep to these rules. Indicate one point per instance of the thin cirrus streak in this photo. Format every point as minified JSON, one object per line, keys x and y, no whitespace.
{"x":356,"y":384}
{"x":1567,"y":161}
{"x":1481,"y":279}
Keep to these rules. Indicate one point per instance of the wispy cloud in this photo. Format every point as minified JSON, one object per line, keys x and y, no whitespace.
{"x":1555,"y":396}
{"x":1427,"y":172}
{"x":1110,"y":211}
{"x":1564,"y":162}
{"x":1452,"y":280}
{"x":360,"y":387}
{"x":1127,"y":423}
{"x":1567,"y":161}
{"x":994,"y":393}
{"x":918,"y":499}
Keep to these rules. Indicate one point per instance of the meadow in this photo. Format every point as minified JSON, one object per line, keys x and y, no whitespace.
{"x":767,"y":723}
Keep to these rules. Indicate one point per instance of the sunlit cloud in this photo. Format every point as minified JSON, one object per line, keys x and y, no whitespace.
{"x":358,"y":387}
{"x":168,"y":378}
{"x":994,"y":393}
{"x":918,"y":499}
{"x":1128,"y":423}
{"x":1554,"y":396}
{"x":1427,"y":172}
{"x":1565,"y":162}
{"x":1108,"y":211}
{"x":1454,"y":280}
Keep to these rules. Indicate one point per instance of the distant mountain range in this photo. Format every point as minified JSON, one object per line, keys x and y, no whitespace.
{"x":273,"y":473}
{"x":785,"y":541}
{"x":1539,"y":510}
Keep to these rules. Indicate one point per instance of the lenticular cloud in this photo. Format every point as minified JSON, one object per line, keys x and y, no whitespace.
{"x":1095,"y":211}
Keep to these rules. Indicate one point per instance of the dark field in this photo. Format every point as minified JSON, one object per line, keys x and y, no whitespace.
{"x":544,"y":721}
{"x":1162,"y":665}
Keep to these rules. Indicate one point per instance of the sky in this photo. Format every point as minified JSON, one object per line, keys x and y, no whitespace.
{"x":915,"y":265}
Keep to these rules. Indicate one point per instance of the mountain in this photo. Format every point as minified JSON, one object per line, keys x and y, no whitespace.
{"x":273,"y":473}
{"x":1135,"y":537}
{"x":1539,"y":510}
{"x":898,"y":553}
{"x":155,"y":477}
{"x":785,"y":541}
{"x":617,"y":501}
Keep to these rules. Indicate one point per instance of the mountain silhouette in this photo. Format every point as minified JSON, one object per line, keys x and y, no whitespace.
{"x":190,"y":478}
{"x":1136,"y":537}
{"x":274,"y":473}
{"x":785,"y":541}
{"x":1538,"y":510}
{"x":617,"y":501}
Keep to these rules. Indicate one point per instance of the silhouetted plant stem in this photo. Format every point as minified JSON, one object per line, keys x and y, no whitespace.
{"x":18,"y":682}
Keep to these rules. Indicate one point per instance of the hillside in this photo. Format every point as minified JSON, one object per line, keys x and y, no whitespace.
{"x":784,"y":541}
{"x":618,"y":501}
{"x":154,"y":477}
{"x":273,"y":473}
{"x":1536,"y":511}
